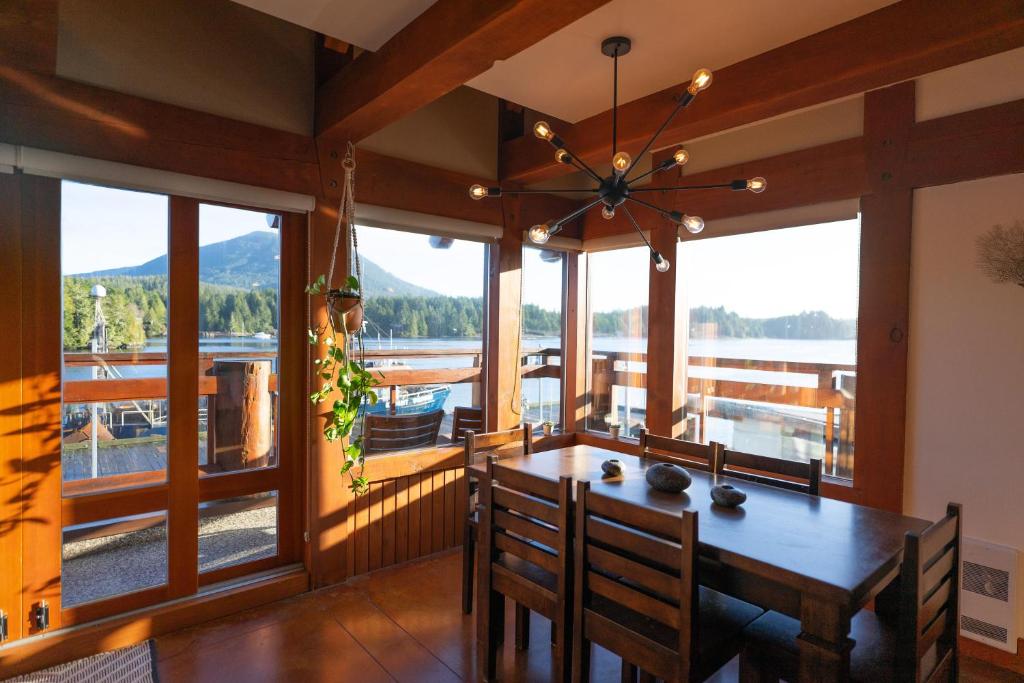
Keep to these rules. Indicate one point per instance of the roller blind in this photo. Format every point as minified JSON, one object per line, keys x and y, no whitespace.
{"x":70,"y":167}
{"x":388,"y":218}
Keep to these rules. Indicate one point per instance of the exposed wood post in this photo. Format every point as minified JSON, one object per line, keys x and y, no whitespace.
{"x":41,"y":368}
{"x":183,"y":398}
{"x":331,"y":509}
{"x":11,"y":405}
{"x":884,"y":310}
{"x":666,"y":328}
{"x":242,"y":433}
{"x":576,"y":359}
{"x":505,"y":274}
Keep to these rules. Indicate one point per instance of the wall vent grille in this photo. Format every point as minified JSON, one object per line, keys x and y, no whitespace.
{"x":987,"y":581}
{"x":984,"y":629}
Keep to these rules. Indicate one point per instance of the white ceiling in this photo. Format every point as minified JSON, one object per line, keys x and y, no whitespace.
{"x":566,"y":76}
{"x":365,"y":23}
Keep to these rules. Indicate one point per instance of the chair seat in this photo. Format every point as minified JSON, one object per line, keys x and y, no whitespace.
{"x":722,"y":619}
{"x":873,"y":658}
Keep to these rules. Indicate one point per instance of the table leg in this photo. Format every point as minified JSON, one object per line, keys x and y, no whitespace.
{"x":824,"y":641}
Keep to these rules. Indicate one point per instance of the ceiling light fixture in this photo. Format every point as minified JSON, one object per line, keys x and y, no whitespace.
{"x":615,"y":190}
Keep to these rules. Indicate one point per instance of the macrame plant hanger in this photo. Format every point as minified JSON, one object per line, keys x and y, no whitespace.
{"x":347,"y":216}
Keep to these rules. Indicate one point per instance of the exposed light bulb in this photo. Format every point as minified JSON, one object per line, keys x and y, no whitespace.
{"x":539,"y":234}
{"x":693,"y":223}
{"x":542,"y":130}
{"x":700,"y":81}
{"x":478,"y":192}
{"x":661,"y":264}
{"x":757,"y":185}
{"x":621,"y":162}
{"x":681,"y":156}
{"x":563,"y":157}
{"x":608,"y":212}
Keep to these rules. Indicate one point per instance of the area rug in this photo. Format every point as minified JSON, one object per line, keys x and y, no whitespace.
{"x":136,"y":664}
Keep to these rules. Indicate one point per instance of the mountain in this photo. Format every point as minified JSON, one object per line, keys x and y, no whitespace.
{"x":251,"y":260}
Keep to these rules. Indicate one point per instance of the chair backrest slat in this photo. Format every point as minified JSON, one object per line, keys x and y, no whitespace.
{"x":627,"y":596}
{"x":507,"y":498}
{"x":935,"y":574}
{"x":936,"y":539}
{"x":505,"y":444}
{"x":526,"y":551}
{"x":632,"y":562}
{"x":688,"y":453}
{"x":466,"y":419}
{"x":401,"y":432}
{"x":526,"y":528}
{"x":804,"y":477}
{"x":639,"y":573}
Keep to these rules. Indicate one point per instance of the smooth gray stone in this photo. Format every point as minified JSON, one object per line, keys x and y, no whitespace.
{"x":612,"y":468}
{"x":667,"y":477}
{"x":727,"y":495}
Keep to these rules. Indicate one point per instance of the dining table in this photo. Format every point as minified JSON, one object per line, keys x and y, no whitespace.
{"x":816,"y":559}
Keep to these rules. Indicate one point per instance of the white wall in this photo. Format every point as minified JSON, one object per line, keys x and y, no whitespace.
{"x":965,"y":417}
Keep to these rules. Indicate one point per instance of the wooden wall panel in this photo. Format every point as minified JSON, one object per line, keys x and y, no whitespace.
{"x":10,"y":404}
{"x":28,"y":34}
{"x":41,"y":366}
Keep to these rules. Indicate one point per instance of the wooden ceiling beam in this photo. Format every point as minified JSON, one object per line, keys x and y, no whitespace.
{"x":975,"y":144}
{"x":450,"y":43}
{"x":896,"y":43}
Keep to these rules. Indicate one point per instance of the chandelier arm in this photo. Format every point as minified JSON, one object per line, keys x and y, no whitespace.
{"x":582,"y":165}
{"x":715,"y":186}
{"x":664,"y":212}
{"x":575,"y":214}
{"x":683,"y":102}
{"x":652,"y":171}
{"x":636,"y":225}
{"x":581,"y":189}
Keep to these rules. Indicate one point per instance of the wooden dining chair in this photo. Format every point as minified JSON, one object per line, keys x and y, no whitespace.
{"x":505,"y":444}
{"x":686,"y":453}
{"x":916,"y":643}
{"x":525,"y":550}
{"x":466,"y":419}
{"x":804,"y":477}
{"x":383,"y":433}
{"x":636,"y":593}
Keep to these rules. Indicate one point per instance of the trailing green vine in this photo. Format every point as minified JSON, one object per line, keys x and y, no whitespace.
{"x":348,"y":376}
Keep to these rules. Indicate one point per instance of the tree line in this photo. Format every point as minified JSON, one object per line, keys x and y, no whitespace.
{"x":135,"y":309}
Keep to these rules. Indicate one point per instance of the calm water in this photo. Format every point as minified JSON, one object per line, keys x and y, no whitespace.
{"x":540,"y":394}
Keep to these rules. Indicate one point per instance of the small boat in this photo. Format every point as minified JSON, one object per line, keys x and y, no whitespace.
{"x":420,"y":398}
{"x":262,"y":335}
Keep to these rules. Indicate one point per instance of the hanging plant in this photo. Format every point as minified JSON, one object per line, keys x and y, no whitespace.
{"x":1001,"y":253}
{"x":342,"y":369}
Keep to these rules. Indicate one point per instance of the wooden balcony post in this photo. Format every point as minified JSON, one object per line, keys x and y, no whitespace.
{"x":242,"y":437}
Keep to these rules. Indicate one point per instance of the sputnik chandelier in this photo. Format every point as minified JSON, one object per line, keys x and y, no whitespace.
{"x":614,"y":191}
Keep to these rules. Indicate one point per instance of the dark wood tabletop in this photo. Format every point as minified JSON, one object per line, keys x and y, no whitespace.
{"x":832,"y":549}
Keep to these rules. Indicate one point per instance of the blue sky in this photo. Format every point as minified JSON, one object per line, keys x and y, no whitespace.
{"x":763,"y":274}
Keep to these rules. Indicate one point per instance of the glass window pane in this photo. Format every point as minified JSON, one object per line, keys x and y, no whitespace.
{"x":773,"y":341}
{"x":618,"y":339}
{"x":239,"y":303}
{"x":113,"y":557}
{"x":424,"y":331}
{"x":237,"y":530}
{"x":114,"y":266}
{"x":543,"y":298}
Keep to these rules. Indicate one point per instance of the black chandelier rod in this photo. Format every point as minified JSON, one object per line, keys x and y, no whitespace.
{"x":684,"y":101}
{"x":664,"y":212}
{"x":639,"y":231}
{"x":589,"y":189}
{"x":615,"y":102}
{"x":714,"y":186}
{"x":557,"y":225}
